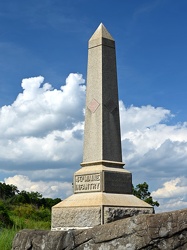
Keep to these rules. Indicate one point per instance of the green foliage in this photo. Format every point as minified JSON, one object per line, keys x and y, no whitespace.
{"x":11,"y":195}
{"x":21,"y":210}
{"x":28,"y":211}
{"x":48,"y":202}
{"x":7,"y":235}
{"x":22,"y":197}
{"x":7,"y":191}
{"x":24,"y":209}
{"x":141,"y":191}
{"x":5,"y":220}
{"x":43,"y":214}
{"x":6,"y":238}
{"x":25,"y":197}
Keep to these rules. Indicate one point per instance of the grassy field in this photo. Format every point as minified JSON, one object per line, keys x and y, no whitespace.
{"x":22,"y":219}
{"x":7,"y":235}
{"x":6,"y":238}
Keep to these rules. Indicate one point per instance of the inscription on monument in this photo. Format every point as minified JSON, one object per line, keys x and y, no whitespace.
{"x":87,"y":183}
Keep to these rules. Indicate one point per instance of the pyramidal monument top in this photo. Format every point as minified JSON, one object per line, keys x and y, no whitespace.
{"x":101,"y":31}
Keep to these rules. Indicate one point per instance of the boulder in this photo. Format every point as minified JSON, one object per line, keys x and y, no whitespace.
{"x":147,"y":231}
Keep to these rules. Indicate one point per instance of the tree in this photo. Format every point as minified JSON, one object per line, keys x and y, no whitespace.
{"x":49,"y":202}
{"x":141,"y":191}
{"x":7,"y":191}
{"x":22,"y":197}
{"x":35,"y":198}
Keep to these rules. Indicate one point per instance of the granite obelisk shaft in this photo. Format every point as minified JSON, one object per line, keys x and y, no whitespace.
{"x":102,"y":140}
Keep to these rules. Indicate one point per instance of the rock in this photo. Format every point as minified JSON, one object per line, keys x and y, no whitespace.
{"x":146,"y":231}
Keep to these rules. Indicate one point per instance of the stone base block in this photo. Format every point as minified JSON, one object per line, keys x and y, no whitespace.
{"x":74,"y":217}
{"x":88,"y":210}
{"x":116,"y":213}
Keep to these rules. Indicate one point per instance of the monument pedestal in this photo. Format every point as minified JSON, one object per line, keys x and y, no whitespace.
{"x":86,"y":210}
{"x":102,"y":194}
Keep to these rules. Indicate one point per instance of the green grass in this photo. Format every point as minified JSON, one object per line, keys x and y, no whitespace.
{"x":7,"y":235}
{"x":6,"y":238}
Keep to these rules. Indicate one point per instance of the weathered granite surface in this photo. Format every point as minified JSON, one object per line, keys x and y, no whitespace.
{"x":102,"y":139}
{"x":76,"y":217}
{"x":116,"y":213}
{"x":153,"y":231}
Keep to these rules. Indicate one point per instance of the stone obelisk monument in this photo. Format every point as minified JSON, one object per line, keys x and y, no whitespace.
{"x":102,"y":187}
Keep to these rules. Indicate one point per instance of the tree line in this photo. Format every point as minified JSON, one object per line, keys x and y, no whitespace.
{"x":12,"y":195}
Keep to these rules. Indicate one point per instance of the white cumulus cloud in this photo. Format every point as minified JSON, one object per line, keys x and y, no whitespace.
{"x":149,"y":143}
{"x":43,"y":123}
{"x":172,"y":195}
{"x":172,"y":189}
{"x":47,"y":189}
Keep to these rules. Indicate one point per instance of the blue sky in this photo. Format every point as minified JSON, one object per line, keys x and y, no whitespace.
{"x":43,"y":63}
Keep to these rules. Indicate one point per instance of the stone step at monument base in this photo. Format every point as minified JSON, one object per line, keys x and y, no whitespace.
{"x":85,"y":210}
